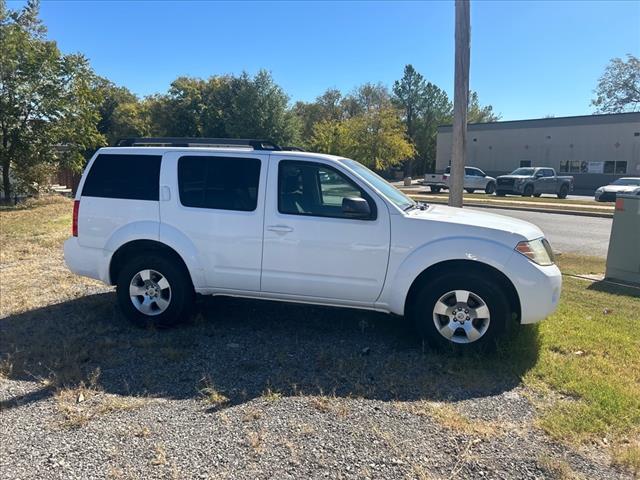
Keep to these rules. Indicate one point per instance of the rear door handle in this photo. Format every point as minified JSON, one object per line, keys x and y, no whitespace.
{"x":279,"y":228}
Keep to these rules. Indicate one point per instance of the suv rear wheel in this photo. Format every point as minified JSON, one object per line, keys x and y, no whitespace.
{"x":154,"y":291}
{"x":463,"y":311}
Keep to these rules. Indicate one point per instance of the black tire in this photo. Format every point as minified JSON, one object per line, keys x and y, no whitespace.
{"x":564,"y":191}
{"x":470,"y":190}
{"x":528,"y":191}
{"x":435,"y":189}
{"x":490,"y":188}
{"x":537,"y":195}
{"x":421,"y":311}
{"x":181,"y":298}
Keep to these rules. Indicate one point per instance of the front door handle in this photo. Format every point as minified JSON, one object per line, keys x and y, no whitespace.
{"x":279,"y":228}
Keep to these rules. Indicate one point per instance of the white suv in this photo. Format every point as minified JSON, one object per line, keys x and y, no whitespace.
{"x":246,"y":218}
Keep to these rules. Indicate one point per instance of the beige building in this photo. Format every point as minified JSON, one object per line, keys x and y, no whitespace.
{"x":595,"y":149}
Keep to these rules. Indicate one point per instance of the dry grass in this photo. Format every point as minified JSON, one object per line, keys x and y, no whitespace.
{"x":255,"y":440}
{"x":326,"y":404}
{"x":79,"y":405}
{"x":628,"y":457}
{"x":160,"y":457}
{"x":271,"y":395}
{"x":558,"y":468}
{"x":31,"y":260}
{"x":211,"y":395}
{"x":451,"y":418}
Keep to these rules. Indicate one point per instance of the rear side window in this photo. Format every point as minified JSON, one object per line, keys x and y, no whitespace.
{"x":222,"y":183}
{"x":134,"y":177}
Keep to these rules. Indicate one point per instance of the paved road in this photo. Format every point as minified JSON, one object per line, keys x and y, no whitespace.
{"x":568,"y":233}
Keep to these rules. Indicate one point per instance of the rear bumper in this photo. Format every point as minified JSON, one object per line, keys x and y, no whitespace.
{"x":86,"y":261}
{"x":538,"y":288}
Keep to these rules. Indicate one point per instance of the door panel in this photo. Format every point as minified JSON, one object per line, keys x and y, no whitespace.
{"x":311,"y":250}
{"x":215,"y":201}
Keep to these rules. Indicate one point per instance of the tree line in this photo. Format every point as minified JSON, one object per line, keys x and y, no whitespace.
{"x":55,"y":111}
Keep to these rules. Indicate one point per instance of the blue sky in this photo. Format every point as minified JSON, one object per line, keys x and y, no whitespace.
{"x":528,"y":59}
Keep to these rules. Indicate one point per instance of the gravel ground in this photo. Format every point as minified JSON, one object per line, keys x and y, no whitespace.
{"x":261,"y":390}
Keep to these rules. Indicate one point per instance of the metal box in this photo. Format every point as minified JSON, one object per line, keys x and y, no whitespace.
{"x":623,"y":257}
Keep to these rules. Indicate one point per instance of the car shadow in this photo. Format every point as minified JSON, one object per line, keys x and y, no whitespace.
{"x":244,"y":348}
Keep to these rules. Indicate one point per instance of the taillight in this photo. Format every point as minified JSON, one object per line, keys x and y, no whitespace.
{"x":74,"y":224}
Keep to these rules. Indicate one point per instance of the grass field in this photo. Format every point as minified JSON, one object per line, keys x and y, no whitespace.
{"x":581,"y":366}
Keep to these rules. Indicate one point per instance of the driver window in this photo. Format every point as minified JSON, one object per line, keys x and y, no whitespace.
{"x":306,"y":188}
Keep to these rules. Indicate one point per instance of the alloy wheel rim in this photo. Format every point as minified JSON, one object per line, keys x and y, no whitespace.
{"x":150,"y":292}
{"x":461,"y":316}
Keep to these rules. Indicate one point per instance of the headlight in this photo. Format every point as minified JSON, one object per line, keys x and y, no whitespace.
{"x":600,"y":190}
{"x":538,"y":251}
{"x":520,"y":180}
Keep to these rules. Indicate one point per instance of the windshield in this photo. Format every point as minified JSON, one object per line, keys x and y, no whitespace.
{"x":626,"y":181}
{"x":523,"y":171}
{"x":380,"y":184}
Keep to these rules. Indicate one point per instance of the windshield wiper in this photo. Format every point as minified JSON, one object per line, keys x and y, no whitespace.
{"x":420,"y":205}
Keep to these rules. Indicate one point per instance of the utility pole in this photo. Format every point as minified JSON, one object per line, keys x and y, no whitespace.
{"x":460,"y":103}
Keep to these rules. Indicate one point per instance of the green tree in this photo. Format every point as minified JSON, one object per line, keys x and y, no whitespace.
{"x":424,"y":106}
{"x":436,"y":109}
{"x":48,"y":103}
{"x":326,"y":107}
{"x":478,"y":113}
{"x":409,"y":95}
{"x":377,"y":138}
{"x":618,"y":88}
{"x":121,"y":113}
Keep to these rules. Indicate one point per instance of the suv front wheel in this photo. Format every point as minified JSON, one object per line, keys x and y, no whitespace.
{"x":154,"y":291}
{"x":460,"y":311}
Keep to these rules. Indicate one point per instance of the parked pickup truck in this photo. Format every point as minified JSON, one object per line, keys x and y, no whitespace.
{"x":474,"y":179}
{"x":527,"y":181}
{"x":247,"y":218}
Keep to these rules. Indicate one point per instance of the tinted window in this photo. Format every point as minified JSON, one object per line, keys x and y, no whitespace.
{"x":135,"y":177}
{"x":221,"y":183}
{"x":306,"y":188}
{"x":523,"y":171}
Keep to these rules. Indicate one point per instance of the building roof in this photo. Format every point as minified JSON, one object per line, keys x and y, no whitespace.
{"x":630,"y":117}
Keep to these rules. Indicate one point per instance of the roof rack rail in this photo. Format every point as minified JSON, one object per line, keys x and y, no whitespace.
{"x":196,"y":142}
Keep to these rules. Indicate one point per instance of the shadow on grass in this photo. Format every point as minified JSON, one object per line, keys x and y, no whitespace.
{"x":242,"y":348}
{"x":615,"y":288}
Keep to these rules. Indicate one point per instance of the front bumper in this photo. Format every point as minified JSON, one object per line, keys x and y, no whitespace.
{"x":512,"y":191}
{"x":605,"y":196}
{"x":538,"y":287}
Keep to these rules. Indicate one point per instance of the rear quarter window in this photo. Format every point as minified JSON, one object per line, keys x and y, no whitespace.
{"x":133,"y":177}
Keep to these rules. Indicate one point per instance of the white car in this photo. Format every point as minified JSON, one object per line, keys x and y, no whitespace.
{"x":474,"y":179}
{"x":244,"y":218}
{"x":609,"y":192}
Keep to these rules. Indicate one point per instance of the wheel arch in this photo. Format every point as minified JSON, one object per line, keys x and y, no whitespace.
{"x":145,"y":246}
{"x":464,"y":267}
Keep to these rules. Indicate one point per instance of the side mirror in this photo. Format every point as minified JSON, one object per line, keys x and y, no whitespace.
{"x":539,"y":174}
{"x":355,"y":207}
